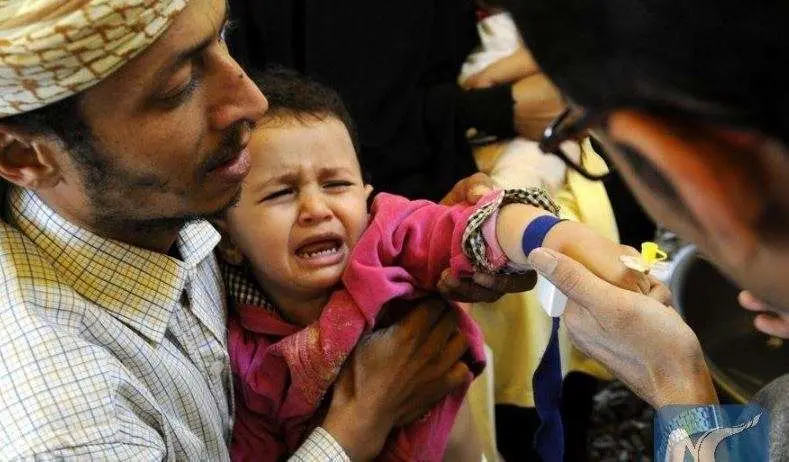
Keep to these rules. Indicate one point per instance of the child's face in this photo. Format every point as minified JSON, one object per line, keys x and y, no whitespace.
{"x":302,"y":208}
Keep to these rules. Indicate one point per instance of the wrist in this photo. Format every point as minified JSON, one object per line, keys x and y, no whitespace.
{"x":513,"y":219}
{"x":685,"y":379}
{"x":360,"y":435}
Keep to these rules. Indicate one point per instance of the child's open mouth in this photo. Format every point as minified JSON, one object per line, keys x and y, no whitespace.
{"x":319,"y":249}
{"x":322,"y":250}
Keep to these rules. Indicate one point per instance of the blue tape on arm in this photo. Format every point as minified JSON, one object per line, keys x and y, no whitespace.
{"x":536,"y":231}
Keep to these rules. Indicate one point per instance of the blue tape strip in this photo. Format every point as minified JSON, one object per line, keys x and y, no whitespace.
{"x":536,"y":231}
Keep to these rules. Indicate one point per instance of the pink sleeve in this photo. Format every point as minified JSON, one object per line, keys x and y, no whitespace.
{"x":407,"y":244}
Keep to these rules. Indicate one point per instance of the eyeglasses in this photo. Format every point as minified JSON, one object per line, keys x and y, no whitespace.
{"x":572,"y":124}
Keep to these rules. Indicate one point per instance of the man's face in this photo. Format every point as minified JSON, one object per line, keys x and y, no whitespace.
{"x":726,"y":192}
{"x":169,"y":129}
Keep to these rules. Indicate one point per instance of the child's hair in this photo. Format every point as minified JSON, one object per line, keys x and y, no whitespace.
{"x":293,"y":95}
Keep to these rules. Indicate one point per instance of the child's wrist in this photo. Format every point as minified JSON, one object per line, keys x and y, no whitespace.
{"x":512,"y":221}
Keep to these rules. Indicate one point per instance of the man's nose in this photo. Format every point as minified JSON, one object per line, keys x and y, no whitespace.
{"x":238,"y":96}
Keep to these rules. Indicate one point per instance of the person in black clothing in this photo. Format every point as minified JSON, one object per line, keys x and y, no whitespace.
{"x":395,"y":64}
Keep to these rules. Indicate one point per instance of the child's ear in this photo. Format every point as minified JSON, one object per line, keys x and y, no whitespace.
{"x":368,"y":189}
{"x":227,"y":249}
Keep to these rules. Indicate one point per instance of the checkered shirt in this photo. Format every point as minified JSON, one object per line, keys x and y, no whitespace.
{"x":109,"y":351}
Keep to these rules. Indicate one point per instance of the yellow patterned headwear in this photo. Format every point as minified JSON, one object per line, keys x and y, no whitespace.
{"x":52,"y":49}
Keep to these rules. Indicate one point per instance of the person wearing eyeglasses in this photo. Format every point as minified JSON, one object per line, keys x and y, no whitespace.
{"x":686,"y":99}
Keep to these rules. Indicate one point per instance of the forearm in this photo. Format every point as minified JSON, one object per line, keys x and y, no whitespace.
{"x":685,"y":380}
{"x":513,"y":219}
{"x":360,"y":434}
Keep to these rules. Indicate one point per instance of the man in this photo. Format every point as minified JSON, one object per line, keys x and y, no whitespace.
{"x":686,"y":97}
{"x":122,"y":123}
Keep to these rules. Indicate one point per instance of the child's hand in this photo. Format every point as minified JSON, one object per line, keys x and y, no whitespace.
{"x":598,"y":254}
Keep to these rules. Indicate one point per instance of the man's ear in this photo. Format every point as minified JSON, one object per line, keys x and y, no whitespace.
{"x":716,"y":178}
{"x":27,"y":160}
{"x":227,"y":249}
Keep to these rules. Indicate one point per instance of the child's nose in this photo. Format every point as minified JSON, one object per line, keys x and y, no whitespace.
{"x":314,"y":209}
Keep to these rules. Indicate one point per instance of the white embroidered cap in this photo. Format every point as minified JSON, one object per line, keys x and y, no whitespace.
{"x":52,"y":49}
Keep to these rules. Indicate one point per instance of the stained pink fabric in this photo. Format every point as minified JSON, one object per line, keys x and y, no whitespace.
{"x":283,"y":372}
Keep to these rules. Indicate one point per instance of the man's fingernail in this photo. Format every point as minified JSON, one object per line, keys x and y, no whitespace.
{"x":484,"y":279}
{"x":543,"y":260}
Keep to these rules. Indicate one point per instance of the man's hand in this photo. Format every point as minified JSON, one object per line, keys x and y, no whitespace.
{"x":470,"y":190}
{"x":645,"y":343}
{"x":769,"y":320}
{"x":482,"y":287}
{"x":395,"y":376}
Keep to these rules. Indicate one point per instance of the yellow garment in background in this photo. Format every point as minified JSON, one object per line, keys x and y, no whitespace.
{"x":516,"y":328}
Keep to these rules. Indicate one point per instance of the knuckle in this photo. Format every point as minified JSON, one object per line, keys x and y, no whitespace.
{"x":570,"y":282}
{"x":627,"y":250}
{"x":456,"y":376}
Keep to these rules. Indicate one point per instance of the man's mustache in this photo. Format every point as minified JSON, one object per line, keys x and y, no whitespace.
{"x":231,"y":144}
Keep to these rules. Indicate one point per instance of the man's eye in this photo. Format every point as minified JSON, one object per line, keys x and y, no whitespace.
{"x":180,"y":96}
{"x":277,"y":194}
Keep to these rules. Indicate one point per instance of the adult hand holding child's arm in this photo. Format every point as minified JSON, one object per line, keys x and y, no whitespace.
{"x":640,"y":339}
{"x":482,"y":287}
{"x":395,"y":376}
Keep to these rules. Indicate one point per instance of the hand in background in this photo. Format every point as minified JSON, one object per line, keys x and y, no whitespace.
{"x":537,"y":103}
{"x":514,"y":67}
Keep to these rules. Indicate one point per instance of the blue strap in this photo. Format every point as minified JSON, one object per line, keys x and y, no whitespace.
{"x":536,"y":231}
{"x":547,"y":383}
{"x":547,"y":379}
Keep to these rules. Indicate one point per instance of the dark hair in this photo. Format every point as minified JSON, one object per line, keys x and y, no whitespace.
{"x":62,"y":119}
{"x":291,"y":94}
{"x":712,"y":60}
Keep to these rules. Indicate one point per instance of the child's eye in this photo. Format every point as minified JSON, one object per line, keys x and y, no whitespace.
{"x":338,"y":184}
{"x":277,"y":194}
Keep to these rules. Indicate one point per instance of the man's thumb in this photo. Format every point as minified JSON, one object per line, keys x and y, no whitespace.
{"x":569,"y":276}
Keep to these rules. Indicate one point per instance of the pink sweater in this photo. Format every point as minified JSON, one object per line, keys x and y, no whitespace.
{"x":283,"y":372}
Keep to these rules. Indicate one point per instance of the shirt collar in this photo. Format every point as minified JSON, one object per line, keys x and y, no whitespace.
{"x":255,"y":311}
{"x":137,"y":286}
{"x":243,"y":288}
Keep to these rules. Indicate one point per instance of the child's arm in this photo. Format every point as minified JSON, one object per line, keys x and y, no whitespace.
{"x":573,"y":239}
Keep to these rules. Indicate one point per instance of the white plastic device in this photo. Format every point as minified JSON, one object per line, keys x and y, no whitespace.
{"x":552,"y":299}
